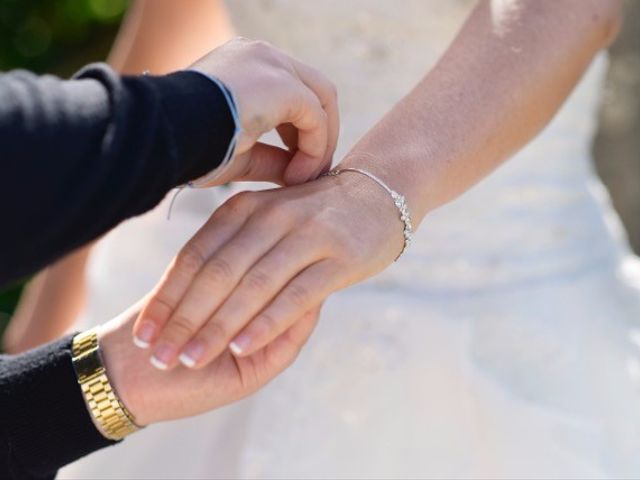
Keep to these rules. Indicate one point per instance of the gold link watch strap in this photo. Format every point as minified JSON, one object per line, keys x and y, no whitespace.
{"x":106,"y":408}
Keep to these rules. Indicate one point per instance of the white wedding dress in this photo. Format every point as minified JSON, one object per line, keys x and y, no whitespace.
{"x":506,"y":343}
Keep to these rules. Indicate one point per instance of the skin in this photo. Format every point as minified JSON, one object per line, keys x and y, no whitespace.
{"x":48,"y":305}
{"x":265,"y":258}
{"x":293,"y":97}
{"x":152,"y":396}
{"x":274,"y":90}
{"x":162,"y":36}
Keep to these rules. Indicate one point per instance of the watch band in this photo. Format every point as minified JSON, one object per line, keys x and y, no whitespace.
{"x":106,"y":408}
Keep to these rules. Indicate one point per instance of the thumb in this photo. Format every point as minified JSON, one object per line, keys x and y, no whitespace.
{"x":264,"y":163}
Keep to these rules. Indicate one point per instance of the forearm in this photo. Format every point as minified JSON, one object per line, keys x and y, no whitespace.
{"x":49,"y":304}
{"x":97,"y":150}
{"x":162,"y":36}
{"x":502,"y":79}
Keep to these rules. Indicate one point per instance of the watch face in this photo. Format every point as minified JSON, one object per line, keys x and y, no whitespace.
{"x":88,"y":365}
{"x":86,"y":356}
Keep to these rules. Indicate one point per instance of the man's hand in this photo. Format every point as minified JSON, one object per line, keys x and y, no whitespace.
{"x":153,"y":396}
{"x":273,"y":91}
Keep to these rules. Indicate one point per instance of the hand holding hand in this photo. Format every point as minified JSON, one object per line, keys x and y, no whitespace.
{"x":153,"y":396}
{"x":264,"y":259}
{"x":273,"y":90}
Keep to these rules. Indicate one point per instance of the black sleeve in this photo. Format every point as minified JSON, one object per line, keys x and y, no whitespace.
{"x":44,"y":423}
{"x":79,"y":156}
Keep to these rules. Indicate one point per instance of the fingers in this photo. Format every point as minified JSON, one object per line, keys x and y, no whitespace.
{"x":209,"y":289}
{"x":263,"y":366}
{"x":312,"y":123}
{"x":280,"y":353}
{"x":258,"y":287}
{"x":289,"y":136}
{"x":219,"y":229}
{"x":302,"y":169}
{"x":272,"y":89}
{"x":265,"y":163}
{"x":303,"y":293}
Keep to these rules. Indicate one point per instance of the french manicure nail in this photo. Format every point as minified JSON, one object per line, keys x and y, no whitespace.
{"x":186,"y":360}
{"x":160,"y":365}
{"x":162,"y":356}
{"x":191,"y":353}
{"x":240,"y":344}
{"x":144,"y":336}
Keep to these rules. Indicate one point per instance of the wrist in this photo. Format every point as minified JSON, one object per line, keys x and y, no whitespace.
{"x":214,"y":177}
{"x":118,"y":355}
{"x":393,"y":202}
{"x":200,"y":120}
{"x":108,"y":412}
{"x":396,"y":177}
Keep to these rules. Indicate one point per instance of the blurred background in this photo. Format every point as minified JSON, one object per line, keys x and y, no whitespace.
{"x":59,"y":36}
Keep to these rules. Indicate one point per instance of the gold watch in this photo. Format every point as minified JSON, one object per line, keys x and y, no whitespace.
{"x":115,"y":421}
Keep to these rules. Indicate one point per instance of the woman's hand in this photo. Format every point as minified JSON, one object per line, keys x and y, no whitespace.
{"x":273,"y":90}
{"x":264,"y":259}
{"x":153,"y":396}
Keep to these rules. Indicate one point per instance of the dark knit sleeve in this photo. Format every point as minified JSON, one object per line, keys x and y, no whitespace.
{"x":44,"y":421}
{"x":79,"y":156}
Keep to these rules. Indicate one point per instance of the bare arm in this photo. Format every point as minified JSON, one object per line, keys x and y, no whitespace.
{"x":164,"y":35}
{"x":502,"y":79}
{"x":160,"y":36}
{"x":49,"y":304}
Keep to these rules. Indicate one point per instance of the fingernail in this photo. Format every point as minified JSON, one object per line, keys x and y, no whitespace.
{"x":192,"y":353}
{"x":144,"y":336}
{"x":158,"y":364}
{"x":240,"y":344}
{"x":162,"y":356}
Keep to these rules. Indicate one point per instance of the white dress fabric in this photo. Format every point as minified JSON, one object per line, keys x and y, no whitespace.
{"x":504,"y":344}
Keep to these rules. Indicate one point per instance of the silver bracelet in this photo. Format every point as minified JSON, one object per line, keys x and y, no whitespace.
{"x":399,"y":200}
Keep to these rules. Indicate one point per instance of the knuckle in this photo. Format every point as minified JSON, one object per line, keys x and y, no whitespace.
{"x":318,"y":117}
{"x":264,"y":49}
{"x":267,"y":323}
{"x":238,"y":203}
{"x":257,"y":280}
{"x":215,"y":332}
{"x":321,"y":121}
{"x":218,"y":271}
{"x":190,"y":259}
{"x":159,"y":309}
{"x":261,"y":45}
{"x":180,"y":327}
{"x":298,"y":295}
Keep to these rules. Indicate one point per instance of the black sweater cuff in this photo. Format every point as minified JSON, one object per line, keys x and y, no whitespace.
{"x":97,"y":150}
{"x":201,"y":122}
{"x":44,"y":416}
{"x":196,"y":122}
